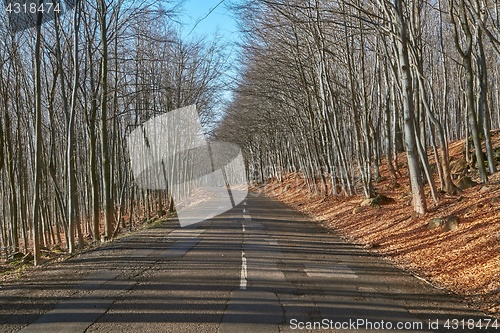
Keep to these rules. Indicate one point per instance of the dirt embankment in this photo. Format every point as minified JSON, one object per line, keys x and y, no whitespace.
{"x":464,"y":260}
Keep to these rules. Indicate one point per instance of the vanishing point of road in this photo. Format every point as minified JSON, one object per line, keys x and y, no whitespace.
{"x":260,"y":267}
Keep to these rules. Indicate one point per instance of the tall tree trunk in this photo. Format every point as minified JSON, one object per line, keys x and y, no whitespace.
{"x":466,"y":55}
{"x":70,"y":151}
{"x":36,"y":211}
{"x":91,"y":124}
{"x":419,"y":202}
{"x":483,"y":102}
{"x":105,"y":156}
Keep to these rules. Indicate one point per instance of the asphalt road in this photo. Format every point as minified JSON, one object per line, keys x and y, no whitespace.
{"x":260,"y":267}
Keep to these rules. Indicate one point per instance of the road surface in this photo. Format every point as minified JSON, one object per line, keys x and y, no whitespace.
{"x":260,"y":267}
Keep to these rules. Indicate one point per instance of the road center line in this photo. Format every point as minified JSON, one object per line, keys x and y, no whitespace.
{"x":244,"y":273}
{"x":273,"y":242}
{"x":243,"y":280}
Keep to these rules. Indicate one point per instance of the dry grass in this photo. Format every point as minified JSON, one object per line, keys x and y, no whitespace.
{"x":465,"y":261}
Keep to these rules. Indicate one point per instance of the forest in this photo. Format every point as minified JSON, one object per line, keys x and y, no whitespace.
{"x":72,"y":89}
{"x":335,"y":89}
{"x":330,"y":89}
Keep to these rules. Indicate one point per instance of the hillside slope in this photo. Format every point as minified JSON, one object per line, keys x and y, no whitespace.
{"x":465,"y":260}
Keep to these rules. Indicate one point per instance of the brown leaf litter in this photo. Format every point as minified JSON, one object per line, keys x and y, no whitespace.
{"x":465,"y":261}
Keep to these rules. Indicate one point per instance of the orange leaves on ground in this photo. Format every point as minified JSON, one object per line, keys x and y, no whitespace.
{"x":465,"y":261}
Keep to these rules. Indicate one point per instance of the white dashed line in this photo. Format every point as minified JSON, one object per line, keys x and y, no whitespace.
{"x":243,"y":280}
{"x":273,"y":242}
{"x":244,"y":273}
{"x":339,"y":271}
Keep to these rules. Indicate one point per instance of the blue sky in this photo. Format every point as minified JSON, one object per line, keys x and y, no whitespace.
{"x":221,"y":19}
{"x":203,"y":18}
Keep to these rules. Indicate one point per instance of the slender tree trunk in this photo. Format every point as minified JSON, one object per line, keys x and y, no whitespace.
{"x":105,"y":156}
{"x":11,"y":175}
{"x":36,"y":211}
{"x":419,"y":202}
{"x":70,"y":163}
{"x":469,"y":79}
{"x":483,"y":103}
